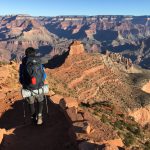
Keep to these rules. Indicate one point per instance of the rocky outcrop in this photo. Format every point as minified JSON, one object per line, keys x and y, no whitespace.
{"x":76,"y":48}
{"x":142,"y":115}
{"x":64,"y":102}
{"x":117,"y":57}
{"x":3,"y":133}
{"x":146,"y":87}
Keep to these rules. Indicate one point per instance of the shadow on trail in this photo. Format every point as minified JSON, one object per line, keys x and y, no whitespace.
{"x":92,"y":146}
{"x":55,"y":134}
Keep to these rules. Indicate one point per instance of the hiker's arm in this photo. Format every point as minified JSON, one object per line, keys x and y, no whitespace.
{"x":44,"y":74}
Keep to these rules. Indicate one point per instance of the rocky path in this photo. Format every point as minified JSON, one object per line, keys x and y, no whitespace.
{"x":54,"y":134}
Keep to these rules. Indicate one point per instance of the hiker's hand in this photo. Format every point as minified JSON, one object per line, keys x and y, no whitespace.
{"x":45,"y":82}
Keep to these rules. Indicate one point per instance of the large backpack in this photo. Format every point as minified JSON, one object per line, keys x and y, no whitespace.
{"x":33,"y":73}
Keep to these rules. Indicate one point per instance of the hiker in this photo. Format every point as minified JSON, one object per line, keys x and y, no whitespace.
{"x":32,"y":77}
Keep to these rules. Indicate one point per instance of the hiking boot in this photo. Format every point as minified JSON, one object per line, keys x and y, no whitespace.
{"x":34,"y":119}
{"x":39,"y":119}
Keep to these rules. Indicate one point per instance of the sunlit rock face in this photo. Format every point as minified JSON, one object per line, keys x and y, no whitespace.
{"x":146,"y":87}
{"x":76,"y":48}
{"x":22,"y":31}
{"x":124,"y":34}
{"x":128,"y":35}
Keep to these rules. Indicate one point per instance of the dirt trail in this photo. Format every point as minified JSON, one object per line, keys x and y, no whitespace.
{"x":85,"y":73}
{"x":54,"y":134}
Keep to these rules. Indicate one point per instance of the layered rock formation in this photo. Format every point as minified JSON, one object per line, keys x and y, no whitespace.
{"x":19,"y":32}
{"x":128,"y":35}
{"x":76,"y":48}
{"x":116,"y":57}
{"x":125,"y":34}
{"x":103,"y":88}
{"x":126,"y":26}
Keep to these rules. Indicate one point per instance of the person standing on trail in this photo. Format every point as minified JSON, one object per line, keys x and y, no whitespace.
{"x":32,"y":77}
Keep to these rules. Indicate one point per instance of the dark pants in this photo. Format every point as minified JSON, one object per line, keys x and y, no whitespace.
{"x":39,"y":99}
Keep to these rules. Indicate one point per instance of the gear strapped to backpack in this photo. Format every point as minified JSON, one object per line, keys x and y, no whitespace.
{"x":34,"y":73}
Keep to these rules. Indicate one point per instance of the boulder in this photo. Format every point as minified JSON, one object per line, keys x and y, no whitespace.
{"x":51,"y":93}
{"x":56,"y":98}
{"x":146,"y":87}
{"x":83,"y":127}
{"x":2,"y":132}
{"x":68,"y":102}
{"x":71,"y":112}
{"x":141,"y":115}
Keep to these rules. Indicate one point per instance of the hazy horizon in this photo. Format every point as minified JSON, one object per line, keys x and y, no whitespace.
{"x":75,"y":15}
{"x":75,"y":8}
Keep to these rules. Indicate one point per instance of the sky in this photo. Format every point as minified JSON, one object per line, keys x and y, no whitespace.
{"x":75,"y":7}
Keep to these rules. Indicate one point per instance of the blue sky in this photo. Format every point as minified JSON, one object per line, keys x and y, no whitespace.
{"x":75,"y":7}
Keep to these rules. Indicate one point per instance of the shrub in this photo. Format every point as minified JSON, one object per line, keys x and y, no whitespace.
{"x":147,"y":145}
{"x":104,"y":118}
{"x":134,"y":129}
{"x":129,"y":139}
{"x":95,"y":113}
{"x":121,"y":115}
{"x":131,"y":118}
{"x":119,"y":124}
{"x":3,"y":63}
{"x":84,"y":104}
{"x":103,"y":103}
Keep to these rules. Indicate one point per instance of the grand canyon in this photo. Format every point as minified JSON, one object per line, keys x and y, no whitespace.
{"x":98,"y":74}
{"x":128,"y":35}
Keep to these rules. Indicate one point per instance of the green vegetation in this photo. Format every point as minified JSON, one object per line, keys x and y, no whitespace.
{"x":129,"y":139}
{"x":134,"y":129}
{"x":147,"y":145}
{"x":103,"y":103}
{"x":121,"y":115}
{"x":3,"y":63}
{"x":104,"y":118}
{"x":84,"y":105}
{"x":130,"y":118}
{"x":119,"y":124}
{"x":128,"y":130}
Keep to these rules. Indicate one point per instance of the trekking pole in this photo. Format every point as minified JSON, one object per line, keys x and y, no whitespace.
{"x":24,"y":112}
{"x":46,"y":104}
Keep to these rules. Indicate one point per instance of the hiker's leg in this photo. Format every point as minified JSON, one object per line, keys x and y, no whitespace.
{"x":40,"y":99}
{"x":40,"y":107}
{"x":32,"y":109}
{"x":31,"y":104}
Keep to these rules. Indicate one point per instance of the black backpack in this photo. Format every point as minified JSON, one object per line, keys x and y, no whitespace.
{"x":33,"y":73}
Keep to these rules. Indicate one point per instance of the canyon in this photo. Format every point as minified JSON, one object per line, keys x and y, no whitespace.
{"x":127,"y":35}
